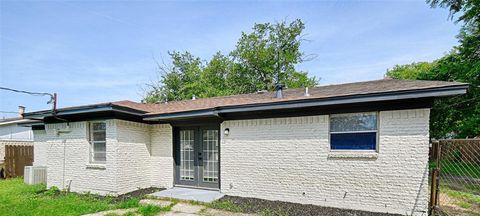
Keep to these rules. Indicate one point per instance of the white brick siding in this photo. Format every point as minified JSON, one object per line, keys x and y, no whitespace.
{"x":40,"y":148}
{"x":288,"y":159}
{"x":130,"y":157}
{"x":161,"y":156}
{"x":285,"y":159}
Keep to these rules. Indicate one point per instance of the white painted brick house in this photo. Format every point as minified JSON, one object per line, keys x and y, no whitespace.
{"x":360,"y":146}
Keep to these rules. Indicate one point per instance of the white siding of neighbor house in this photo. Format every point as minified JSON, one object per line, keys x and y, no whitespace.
{"x":288,"y":159}
{"x":15,"y":132}
{"x":12,"y":134}
{"x":135,"y":158}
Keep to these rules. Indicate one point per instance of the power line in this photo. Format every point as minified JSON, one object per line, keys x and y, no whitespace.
{"x":53,"y":97}
{"x":27,"y":92}
{"x":7,"y":111}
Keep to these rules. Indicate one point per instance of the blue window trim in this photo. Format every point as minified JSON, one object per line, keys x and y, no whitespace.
{"x":376,"y":147}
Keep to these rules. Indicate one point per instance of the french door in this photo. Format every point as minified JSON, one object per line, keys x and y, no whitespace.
{"x":197,"y":155}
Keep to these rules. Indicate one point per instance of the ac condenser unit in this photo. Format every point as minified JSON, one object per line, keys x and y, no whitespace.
{"x":35,"y":174}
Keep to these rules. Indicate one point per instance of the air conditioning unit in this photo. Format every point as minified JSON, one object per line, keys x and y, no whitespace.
{"x":35,"y":174}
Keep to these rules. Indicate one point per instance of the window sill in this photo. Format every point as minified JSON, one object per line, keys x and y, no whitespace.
{"x":353,"y":155}
{"x":96,"y":166}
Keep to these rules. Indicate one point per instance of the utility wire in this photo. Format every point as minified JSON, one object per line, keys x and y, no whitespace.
{"x":27,"y":92}
{"x":7,"y":112}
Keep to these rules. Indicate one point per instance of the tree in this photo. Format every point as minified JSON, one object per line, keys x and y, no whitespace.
{"x":266,"y":56}
{"x":179,"y":81}
{"x":457,"y":117}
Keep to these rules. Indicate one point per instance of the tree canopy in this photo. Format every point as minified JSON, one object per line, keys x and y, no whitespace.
{"x":262,"y":58}
{"x":456,"y":117}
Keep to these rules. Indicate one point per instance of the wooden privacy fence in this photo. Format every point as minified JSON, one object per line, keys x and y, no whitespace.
{"x":16,"y":158}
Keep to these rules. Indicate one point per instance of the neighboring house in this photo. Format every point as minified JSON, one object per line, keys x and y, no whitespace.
{"x":13,"y":132}
{"x":360,"y":146}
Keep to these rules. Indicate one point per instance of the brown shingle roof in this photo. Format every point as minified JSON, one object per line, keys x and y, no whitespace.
{"x":321,"y":92}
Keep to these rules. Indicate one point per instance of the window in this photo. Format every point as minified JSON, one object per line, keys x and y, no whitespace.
{"x":354,"y":131}
{"x":98,"y":142}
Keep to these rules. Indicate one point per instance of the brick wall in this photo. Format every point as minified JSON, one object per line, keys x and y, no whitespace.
{"x":138,"y":156}
{"x":288,"y":159}
{"x":161,"y":160}
{"x":284,"y":159}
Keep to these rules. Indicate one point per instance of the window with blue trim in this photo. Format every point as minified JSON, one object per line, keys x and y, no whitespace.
{"x":353,"y":131}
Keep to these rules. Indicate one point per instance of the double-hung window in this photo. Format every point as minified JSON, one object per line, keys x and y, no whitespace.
{"x":98,"y":142}
{"x":353,"y":131}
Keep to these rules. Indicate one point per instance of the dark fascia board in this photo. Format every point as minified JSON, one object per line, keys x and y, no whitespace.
{"x":386,"y":96}
{"x":84,"y":110}
{"x":183,"y":115}
{"x":305,"y":103}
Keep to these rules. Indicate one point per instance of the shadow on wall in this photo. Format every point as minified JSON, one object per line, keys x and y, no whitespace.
{"x":418,"y":203}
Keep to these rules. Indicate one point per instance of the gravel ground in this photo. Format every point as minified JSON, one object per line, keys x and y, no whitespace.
{"x":252,"y":205}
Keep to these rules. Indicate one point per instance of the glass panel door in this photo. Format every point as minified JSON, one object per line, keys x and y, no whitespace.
{"x":187,"y":154}
{"x":197,"y":156}
{"x":210,"y":156}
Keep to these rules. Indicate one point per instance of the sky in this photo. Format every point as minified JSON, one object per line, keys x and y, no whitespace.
{"x":99,"y":51}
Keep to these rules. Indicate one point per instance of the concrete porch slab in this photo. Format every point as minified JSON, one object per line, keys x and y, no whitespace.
{"x":189,"y":194}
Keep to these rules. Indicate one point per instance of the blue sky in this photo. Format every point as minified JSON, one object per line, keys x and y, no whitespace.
{"x":99,"y":51}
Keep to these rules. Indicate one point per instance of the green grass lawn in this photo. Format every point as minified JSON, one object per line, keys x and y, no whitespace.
{"x":17,"y":198}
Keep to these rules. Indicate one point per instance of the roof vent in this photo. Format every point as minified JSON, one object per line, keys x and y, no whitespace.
{"x":279,"y":90}
{"x":306,"y":92}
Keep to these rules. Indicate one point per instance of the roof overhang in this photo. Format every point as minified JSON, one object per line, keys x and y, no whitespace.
{"x":99,"y":111}
{"x":306,"y":103}
{"x":109,"y":110}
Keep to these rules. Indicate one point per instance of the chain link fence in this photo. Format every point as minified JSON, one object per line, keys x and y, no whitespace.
{"x":456,"y":177}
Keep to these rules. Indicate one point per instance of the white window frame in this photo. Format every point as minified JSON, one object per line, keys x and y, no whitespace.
{"x":93,"y":142}
{"x":377,"y":114}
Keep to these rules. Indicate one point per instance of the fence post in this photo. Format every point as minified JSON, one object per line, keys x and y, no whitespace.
{"x":436,"y":150}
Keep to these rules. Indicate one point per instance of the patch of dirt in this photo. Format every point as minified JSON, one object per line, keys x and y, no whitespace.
{"x":134,"y":194}
{"x":451,"y":206}
{"x":253,"y":205}
{"x":216,"y":212}
{"x":137,"y":193}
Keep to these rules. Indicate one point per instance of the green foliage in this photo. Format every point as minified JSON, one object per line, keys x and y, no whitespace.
{"x":129,"y":203}
{"x":464,"y":204}
{"x":467,"y":197}
{"x":456,"y":117}
{"x":17,"y":198}
{"x":261,"y":59}
{"x":225,"y":205}
{"x":270,"y":212}
{"x":150,"y":210}
{"x":461,"y":169}
{"x":52,"y":191}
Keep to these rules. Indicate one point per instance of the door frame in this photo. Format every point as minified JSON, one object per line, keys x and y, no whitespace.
{"x":198,"y":133}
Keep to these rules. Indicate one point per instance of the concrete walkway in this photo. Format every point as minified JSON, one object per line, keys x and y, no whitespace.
{"x":189,"y":194}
